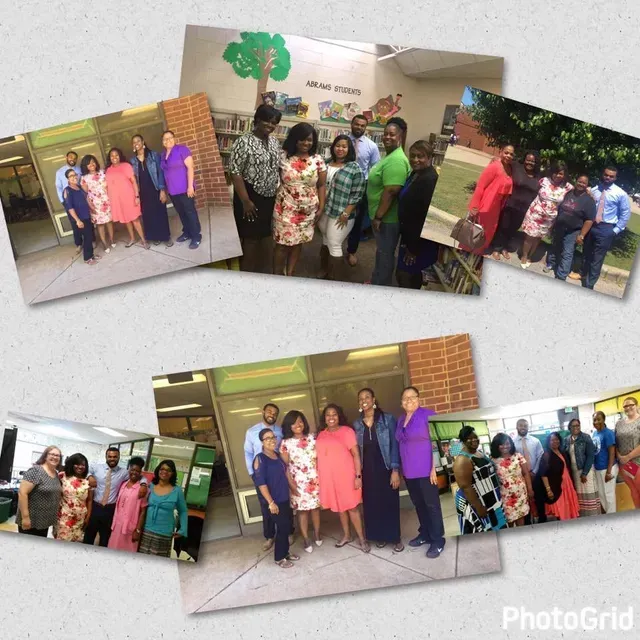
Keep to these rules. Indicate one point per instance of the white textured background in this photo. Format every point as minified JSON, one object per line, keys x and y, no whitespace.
{"x":91,"y":358}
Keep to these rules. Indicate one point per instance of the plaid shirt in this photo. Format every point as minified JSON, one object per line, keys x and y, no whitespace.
{"x":347,"y":187}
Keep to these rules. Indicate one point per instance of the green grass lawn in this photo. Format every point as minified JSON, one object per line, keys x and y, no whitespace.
{"x":452,"y":196}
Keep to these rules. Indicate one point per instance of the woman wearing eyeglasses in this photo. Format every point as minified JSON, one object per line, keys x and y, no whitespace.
{"x":628,"y":444}
{"x":478,"y":499}
{"x":39,"y":495}
{"x":270,"y":475}
{"x":416,"y":456}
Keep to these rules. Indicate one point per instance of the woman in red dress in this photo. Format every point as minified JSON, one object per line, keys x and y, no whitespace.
{"x":492,"y":190}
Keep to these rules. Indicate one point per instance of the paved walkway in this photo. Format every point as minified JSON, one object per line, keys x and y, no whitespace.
{"x":439,"y":224}
{"x":60,"y":271}
{"x":237,"y":573}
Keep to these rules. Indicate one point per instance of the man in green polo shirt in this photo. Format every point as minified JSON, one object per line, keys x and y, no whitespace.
{"x":386,"y":180}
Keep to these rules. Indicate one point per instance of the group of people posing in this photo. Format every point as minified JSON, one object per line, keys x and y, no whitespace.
{"x":131,"y":192}
{"x":353,"y":470}
{"x":513,"y":196}
{"x":283,"y":194}
{"x":81,"y":501}
{"x":523,"y":482}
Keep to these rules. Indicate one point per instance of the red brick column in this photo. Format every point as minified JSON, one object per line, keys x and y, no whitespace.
{"x":190,"y":120}
{"x":442,"y":370}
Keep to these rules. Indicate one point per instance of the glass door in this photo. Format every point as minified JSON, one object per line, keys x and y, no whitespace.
{"x":197,"y":494}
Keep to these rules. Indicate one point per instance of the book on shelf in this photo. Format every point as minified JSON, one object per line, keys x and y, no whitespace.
{"x":280,"y":101}
{"x":269,"y":98}
{"x":325,"y":108}
{"x":291,"y":106}
{"x":303,"y":110}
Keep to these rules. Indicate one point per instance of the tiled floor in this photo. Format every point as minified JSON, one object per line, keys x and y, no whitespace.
{"x":57,"y":272}
{"x":236,"y":572}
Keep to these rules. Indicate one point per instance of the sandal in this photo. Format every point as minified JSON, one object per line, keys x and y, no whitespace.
{"x":293,"y":557}
{"x":506,"y":255}
{"x":343,"y":543}
{"x":364,"y":545}
{"x":399,"y":547}
{"x":381,"y":545}
{"x":285,"y":563}
{"x":146,"y":245}
{"x":130,"y":244}
{"x":495,"y":255}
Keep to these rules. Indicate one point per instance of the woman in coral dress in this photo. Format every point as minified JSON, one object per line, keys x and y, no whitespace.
{"x":492,"y":190}
{"x":298,"y":451}
{"x":94,"y":184}
{"x":300,"y":198}
{"x":514,"y":476}
{"x":76,"y":500}
{"x":124,"y":196}
{"x":543,"y":211}
{"x":555,"y":481}
{"x":340,"y":473}
{"x":130,"y":512}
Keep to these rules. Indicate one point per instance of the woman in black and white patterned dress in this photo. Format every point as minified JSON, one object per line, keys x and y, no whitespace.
{"x":254,"y":167}
{"x":39,"y":495}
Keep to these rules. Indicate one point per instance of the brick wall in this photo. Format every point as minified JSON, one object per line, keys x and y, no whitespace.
{"x":190,"y":120}
{"x":467,"y":131}
{"x":442,"y":370}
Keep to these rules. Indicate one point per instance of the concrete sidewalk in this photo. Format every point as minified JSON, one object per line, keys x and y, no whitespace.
{"x":439,"y":224}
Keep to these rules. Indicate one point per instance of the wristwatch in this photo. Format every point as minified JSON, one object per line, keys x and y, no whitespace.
{"x":358,"y":476}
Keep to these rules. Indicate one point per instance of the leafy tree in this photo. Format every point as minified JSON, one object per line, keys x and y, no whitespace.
{"x":259,"y":56}
{"x":584,"y":147}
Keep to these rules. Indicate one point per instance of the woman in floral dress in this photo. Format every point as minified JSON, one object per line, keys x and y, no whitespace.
{"x":298,"y":451}
{"x":76,"y":500}
{"x":94,"y":183}
{"x":543,"y":211}
{"x":300,"y":197}
{"x":515,"y":479}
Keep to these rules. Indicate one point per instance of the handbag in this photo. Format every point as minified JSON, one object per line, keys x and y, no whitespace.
{"x":468,"y":233}
{"x":631,"y":468}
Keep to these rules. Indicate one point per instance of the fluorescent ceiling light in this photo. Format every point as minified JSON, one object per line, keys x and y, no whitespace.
{"x":178,"y":407}
{"x":146,"y":107}
{"x":294,"y":397}
{"x":12,"y":159}
{"x":375,"y":352}
{"x":163,"y":382}
{"x":110,"y":432}
{"x":248,"y":415}
{"x":64,"y":433}
{"x":16,"y":139}
{"x":245,"y":409}
{"x":158,"y":440}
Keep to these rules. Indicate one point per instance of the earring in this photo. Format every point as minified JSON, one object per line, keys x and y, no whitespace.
{"x":360,"y":409}
{"x":375,"y":406}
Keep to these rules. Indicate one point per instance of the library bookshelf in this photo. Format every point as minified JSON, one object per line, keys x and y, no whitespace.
{"x":455,"y":272}
{"x":229,"y":126}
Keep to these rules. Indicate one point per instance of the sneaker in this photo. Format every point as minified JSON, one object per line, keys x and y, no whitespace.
{"x":183,"y":238}
{"x":418,"y":541}
{"x":434,"y":550}
{"x":194,"y":244}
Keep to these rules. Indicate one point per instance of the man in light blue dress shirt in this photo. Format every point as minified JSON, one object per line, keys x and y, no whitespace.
{"x":367,"y":155}
{"x":61,"y":184}
{"x":252,"y":447}
{"x":532,"y":450}
{"x":613,"y":210}
{"x":106,"y":480}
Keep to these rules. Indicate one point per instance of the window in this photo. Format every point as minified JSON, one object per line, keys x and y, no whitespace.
{"x":388,"y":392}
{"x":130,"y":118}
{"x":241,"y":413}
{"x":63,"y":134}
{"x":50,"y":160}
{"x":29,"y":181}
{"x":510,"y":424}
{"x":258,"y":376}
{"x":449,"y":118}
{"x":9,"y":187}
{"x":356,"y":363}
{"x":152,"y":135}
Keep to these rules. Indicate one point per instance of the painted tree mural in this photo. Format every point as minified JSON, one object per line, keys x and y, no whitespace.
{"x":260,"y":56}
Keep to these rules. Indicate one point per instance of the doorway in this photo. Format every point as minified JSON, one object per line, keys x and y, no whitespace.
{"x":25,"y":208}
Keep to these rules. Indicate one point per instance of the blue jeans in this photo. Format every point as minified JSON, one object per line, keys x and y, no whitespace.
{"x":596,"y":245}
{"x":186,"y":208}
{"x":386,"y":243}
{"x":564,"y":246}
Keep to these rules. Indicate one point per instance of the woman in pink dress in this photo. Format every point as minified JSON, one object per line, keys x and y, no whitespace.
{"x":128,"y":519}
{"x":492,"y":190}
{"x":339,"y":473}
{"x":124,"y":196}
{"x":543,"y":211}
{"x":560,"y":495}
{"x":94,"y":184}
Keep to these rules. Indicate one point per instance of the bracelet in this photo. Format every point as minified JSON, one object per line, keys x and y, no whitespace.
{"x":358,"y":477}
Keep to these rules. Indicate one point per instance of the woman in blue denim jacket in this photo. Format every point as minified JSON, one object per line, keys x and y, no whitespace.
{"x":375,"y":433}
{"x":581,"y":451}
{"x":153,"y":194}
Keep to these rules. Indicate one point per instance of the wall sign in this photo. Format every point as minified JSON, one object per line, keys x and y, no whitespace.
{"x":313,"y":84}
